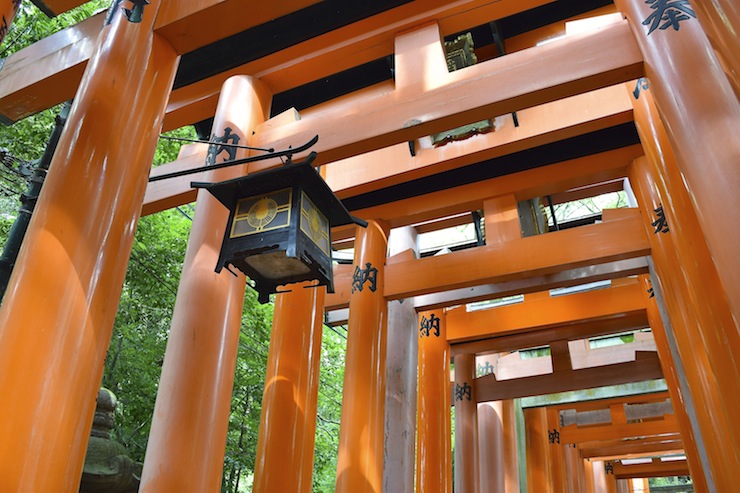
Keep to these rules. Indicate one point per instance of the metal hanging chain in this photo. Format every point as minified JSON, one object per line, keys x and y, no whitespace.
{"x":251,"y":159}
{"x":196,"y":141}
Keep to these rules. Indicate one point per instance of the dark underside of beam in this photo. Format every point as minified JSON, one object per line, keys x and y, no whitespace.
{"x":274,"y":36}
{"x":328,"y":15}
{"x":572,"y":148}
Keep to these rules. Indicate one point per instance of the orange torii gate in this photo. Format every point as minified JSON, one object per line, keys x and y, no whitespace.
{"x":122,"y":79}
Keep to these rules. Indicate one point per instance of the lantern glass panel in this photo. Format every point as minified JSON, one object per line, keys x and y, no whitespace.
{"x":314,"y":224}
{"x":262,"y":213}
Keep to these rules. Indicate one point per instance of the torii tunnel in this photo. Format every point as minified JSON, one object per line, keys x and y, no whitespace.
{"x":576,"y":99}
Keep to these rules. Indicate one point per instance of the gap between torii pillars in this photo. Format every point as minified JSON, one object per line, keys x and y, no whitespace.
{"x":701,"y":114}
{"x":188,"y":437}
{"x":400,"y":384}
{"x":721,"y":22}
{"x":434,"y":439}
{"x":58,"y":312}
{"x":361,"y":433}
{"x":285,"y":447}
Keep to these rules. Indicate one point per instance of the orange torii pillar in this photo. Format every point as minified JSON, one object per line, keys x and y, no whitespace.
{"x":685,"y":233}
{"x":434,"y":438}
{"x":705,"y":341}
{"x":562,"y":481}
{"x":497,"y":447}
{"x":7,"y":11}
{"x":285,"y":447}
{"x":701,"y":114}
{"x":573,"y":468}
{"x":721,"y":22}
{"x":466,"y":425}
{"x":191,"y":415}
{"x":360,"y":455}
{"x":539,"y":468}
{"x":58,"y":312}
{"x":600,"y":478}
{"x":680,"y":397}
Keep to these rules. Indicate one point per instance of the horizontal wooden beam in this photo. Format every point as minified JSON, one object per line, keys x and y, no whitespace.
{"x":338,"y":50}
{"x":537,"y":126}
{"x":567,"y":278}
{"x":545,"y":312}
{"x":47,"y":72}
{"x":48,"y":78}
{"x":645,"y":367}
{"x":655,"y":469}
{"x":519,"y":259}
{"x":642,"y":447}
{"x":527,"y":78}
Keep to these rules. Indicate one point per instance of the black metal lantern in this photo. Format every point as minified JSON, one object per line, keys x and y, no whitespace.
{"x":279,"y":229}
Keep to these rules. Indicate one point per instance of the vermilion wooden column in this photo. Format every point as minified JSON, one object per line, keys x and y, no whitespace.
{"x":360,"y":458}
{"x":672,"y":378}
{"x":58,"y":312}
{"x":466,"y":425}
{"x":511,"y":455}
{"x":704,"y":344}
{"x":191,"y":415}
{"x":491,"y":446}
{"x":556,"y":452}
{"x":698,"y":270}
{"x":434,"y":438}
{"x":288,"y":420}
{"x":7,"y":14}
{"x":721,"y":22}
{"x":538,"y":458}
{"x":701,"y":114}
{"x":573,"y":469}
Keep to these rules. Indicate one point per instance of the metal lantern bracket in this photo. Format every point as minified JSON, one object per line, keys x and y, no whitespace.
{"x":288,"y":153}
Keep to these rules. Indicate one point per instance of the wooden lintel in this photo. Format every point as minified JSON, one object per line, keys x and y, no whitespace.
{"x":519,"y":259}
{"x":546,"y":312}
{"x":644,"y":447}
{"x":645,"y":367}
{"x":52,"y":76}
{"x":542,"y":337}
{"x":655,"y":469}
{"x":527,"y":78}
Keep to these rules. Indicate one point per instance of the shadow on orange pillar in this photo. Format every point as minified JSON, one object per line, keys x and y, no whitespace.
{"x":466,"y":425}
{"x":188,"y":437}
{"x":511,"y":454}
{"x":288,"y":422}
{"x":434,"y":437}
{"x":361,"y":434}
{"x":670,"y":373}
{"x":701,"y":114}
{"x":721,"y":22}
{"x":58,"y":312}
{"x":711,"y":369}
{"x":539,"y":472}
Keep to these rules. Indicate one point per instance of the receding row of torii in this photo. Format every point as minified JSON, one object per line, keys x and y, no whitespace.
{"x":58,"y":312}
